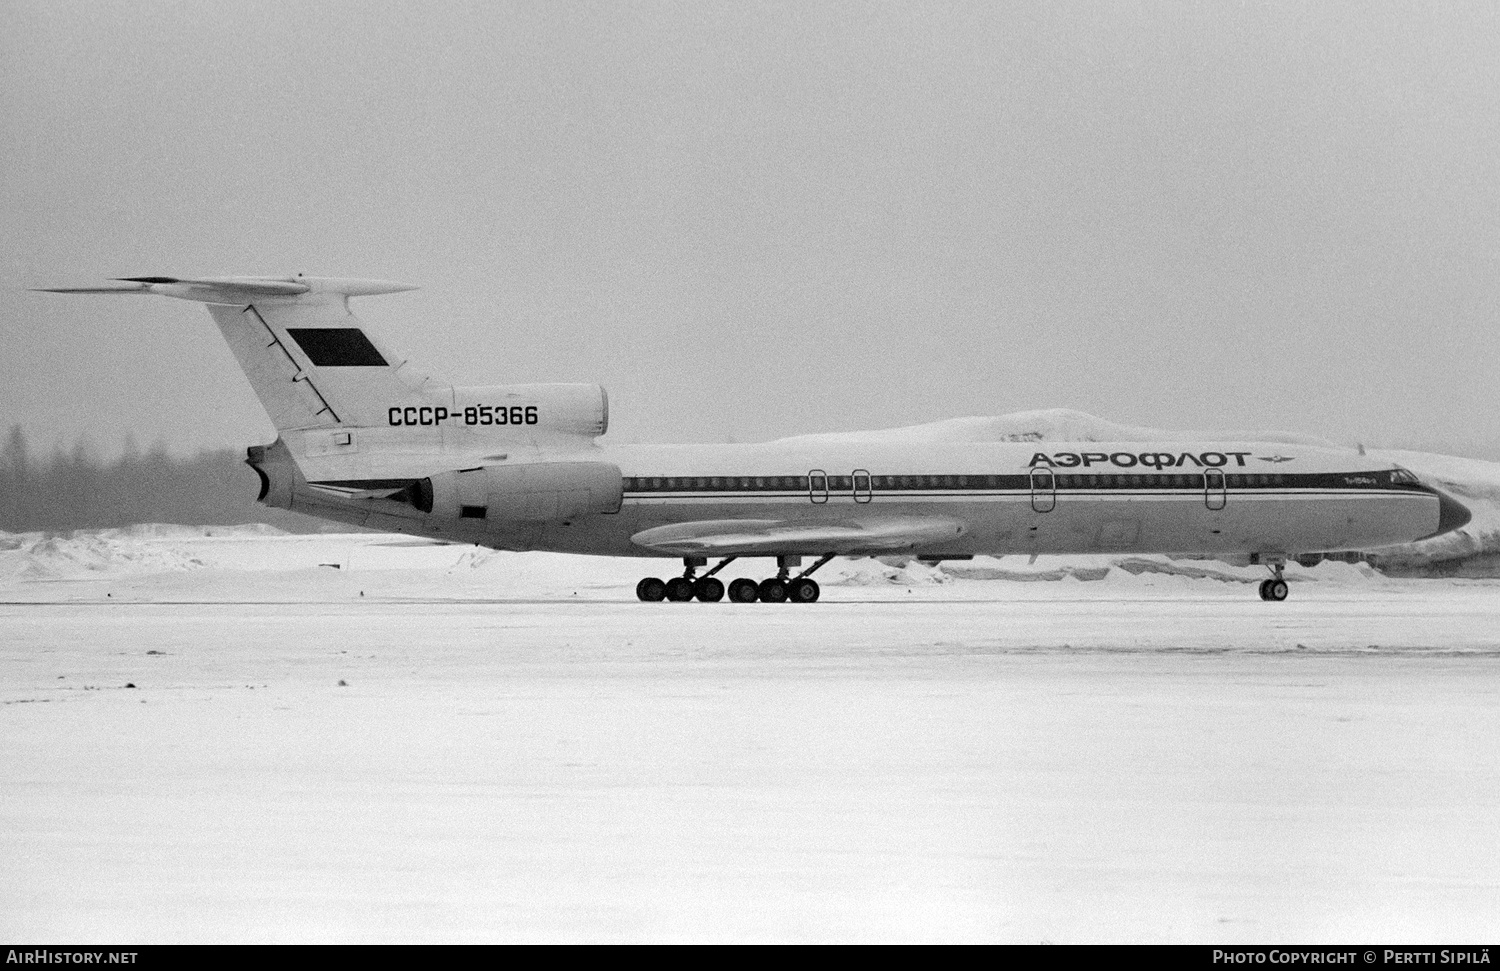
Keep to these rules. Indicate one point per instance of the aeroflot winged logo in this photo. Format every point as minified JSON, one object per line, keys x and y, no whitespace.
{"x":1150,"y":460}
{"x":1274,"y":458}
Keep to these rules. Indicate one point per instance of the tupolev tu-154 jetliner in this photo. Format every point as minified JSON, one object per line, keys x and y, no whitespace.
{"x":364,"y":440}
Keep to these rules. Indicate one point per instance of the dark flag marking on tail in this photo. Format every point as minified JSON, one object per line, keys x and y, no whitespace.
{"x":337,"y":347}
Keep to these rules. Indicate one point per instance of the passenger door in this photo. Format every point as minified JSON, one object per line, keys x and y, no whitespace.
{"x":1215,"y":492}
{"x":1043,"y":490}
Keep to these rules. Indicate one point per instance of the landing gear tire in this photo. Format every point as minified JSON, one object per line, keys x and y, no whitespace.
{"x":804,"y":591}
{"x":1273,"y":590}
{"x":772,"y":591}
{"x":679,"y":589}
{"x":708,"y":589}
{"x":743,"y":591}
{"x":651,"y":590}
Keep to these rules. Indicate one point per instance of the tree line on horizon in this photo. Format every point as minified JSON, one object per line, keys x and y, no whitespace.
{"x":76,"y":489}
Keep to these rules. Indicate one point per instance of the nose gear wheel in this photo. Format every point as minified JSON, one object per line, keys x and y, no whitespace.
{"x":1275,"y":589}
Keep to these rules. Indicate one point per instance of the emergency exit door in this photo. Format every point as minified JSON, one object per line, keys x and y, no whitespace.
{"x":817,"y":486}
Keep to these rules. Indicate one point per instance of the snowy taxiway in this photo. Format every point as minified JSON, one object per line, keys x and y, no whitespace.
{"x":420,"y":743}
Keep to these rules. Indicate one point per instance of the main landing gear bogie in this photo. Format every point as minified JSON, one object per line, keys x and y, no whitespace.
{"x":781,"y":588}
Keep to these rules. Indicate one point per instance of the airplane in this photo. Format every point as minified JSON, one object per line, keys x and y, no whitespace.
{"x":365,"y":440}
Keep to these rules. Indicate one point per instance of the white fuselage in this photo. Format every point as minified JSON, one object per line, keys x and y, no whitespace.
{"x":1208,"y":498}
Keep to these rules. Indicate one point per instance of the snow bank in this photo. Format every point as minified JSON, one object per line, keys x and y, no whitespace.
{"x":1126,"y":570}
{"x":1050,"y":425}
{"x":176,"y":531}
{"x":150,"y":548}
{"x":34,"y":556}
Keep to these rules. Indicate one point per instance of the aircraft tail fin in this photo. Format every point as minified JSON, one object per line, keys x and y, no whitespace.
{"x":311,"y":362}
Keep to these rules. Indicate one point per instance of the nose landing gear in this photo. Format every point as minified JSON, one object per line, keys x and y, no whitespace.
{"x":1274,"y":589}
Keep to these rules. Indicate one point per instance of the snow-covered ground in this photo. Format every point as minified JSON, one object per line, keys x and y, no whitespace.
{"x":228,"y":734}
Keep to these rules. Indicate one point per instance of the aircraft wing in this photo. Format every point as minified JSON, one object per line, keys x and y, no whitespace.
{"x":849,"y":536}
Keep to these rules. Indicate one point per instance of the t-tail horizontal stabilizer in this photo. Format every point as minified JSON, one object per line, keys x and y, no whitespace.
{"x":312,"y":363}
{"x":240,"y":289}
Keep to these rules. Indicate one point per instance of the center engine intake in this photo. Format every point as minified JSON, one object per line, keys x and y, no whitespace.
{"x":522,"y":493}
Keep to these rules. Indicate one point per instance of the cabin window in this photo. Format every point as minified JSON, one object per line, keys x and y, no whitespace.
{"x":472,"y":512}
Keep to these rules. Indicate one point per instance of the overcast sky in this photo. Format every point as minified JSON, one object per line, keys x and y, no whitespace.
{"x":750,"y":220}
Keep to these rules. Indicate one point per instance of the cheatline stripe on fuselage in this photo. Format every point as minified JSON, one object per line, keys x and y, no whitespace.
{"x":1343,"y":485}
{"x":1388,"y":482}
{"x":1079,"y":493}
